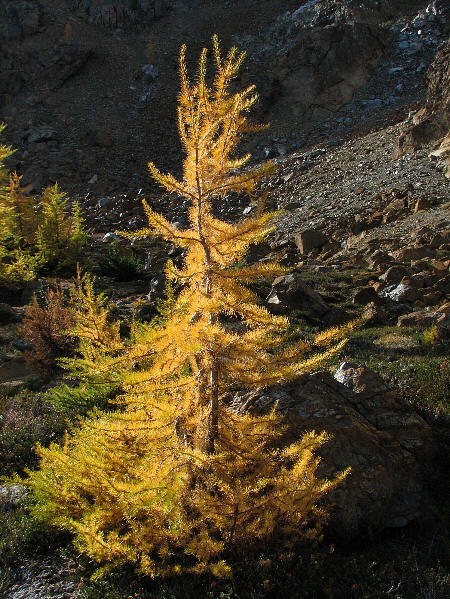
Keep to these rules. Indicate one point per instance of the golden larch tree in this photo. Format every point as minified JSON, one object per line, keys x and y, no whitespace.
{"x":174,"y":480}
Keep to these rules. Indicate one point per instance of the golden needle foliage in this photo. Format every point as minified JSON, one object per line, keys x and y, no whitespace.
{"x":175,"y":481}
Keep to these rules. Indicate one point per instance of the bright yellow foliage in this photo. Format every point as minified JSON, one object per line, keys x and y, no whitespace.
{"x":175,"y":481}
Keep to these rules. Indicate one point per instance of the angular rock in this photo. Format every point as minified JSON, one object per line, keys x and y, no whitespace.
{"x":421,"y":320}
{"x":365,"y":296}
{"x":443,"y":285}
{"x":402,"y":293}
{"x":379,"y":259}
{"x":40,"y":134}
{"x":373,"y":315}
{"x":417,"y":281}
{"x":443,"y":327}
{"x":290,"y":293}
{"x":438,"y":240}
{"x":63,"y":62}
{"x":322,"y":71}
{"x":373,"y":432}
{"x":422,"y":204}
{"x":120,"y":13}
{"x":432,"y":297}
{"x":110,"y":237}
{"x":309,"y":240}
{"x":335,"y":317}
{"x":414,"y":253}
{"x":394,"y":274}
{"x":444,"y":309}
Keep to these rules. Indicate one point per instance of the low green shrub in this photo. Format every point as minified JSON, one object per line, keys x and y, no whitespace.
{"x":25,"y":419}
{"x":77,"y":401}
{"x":423,"y":381}
{"x":119,"y":266}
{"x":21,"y":535}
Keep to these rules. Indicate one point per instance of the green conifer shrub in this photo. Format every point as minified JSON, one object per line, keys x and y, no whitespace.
{"x":97,"y":334}
{"x":17,"y":265}
{"x":60,"y":235}
{"x":35,"y":233}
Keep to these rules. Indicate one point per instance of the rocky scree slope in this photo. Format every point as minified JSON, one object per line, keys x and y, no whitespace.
{"x":88,"y":100}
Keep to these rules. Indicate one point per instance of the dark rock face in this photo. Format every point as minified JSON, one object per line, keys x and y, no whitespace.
{"x":325,"y":68}
{"x":18,"y":19}
{"x":380,"y":438}
{"x":433,"y":121}
{"x":119,"y":13}
{"x":63,"y":62}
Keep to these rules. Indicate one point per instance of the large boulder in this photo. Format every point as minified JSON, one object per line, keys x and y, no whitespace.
{"x":290,"y":293}
{"x":383,"y":440}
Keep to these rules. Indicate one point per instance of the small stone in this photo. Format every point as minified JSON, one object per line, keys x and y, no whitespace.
{"x":103,"y":138}
{"x":360,"y":379}
{"x":397,"y":205}
{"x":379,"y":286}
{"x":439,"y":265}
{"x":110,"y":237}
{"x":40,"y":134}
{"x":149,"y":73}
{"x":102,"y":202}
{"x":11,"y":496}
{"x":21,"y":345}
